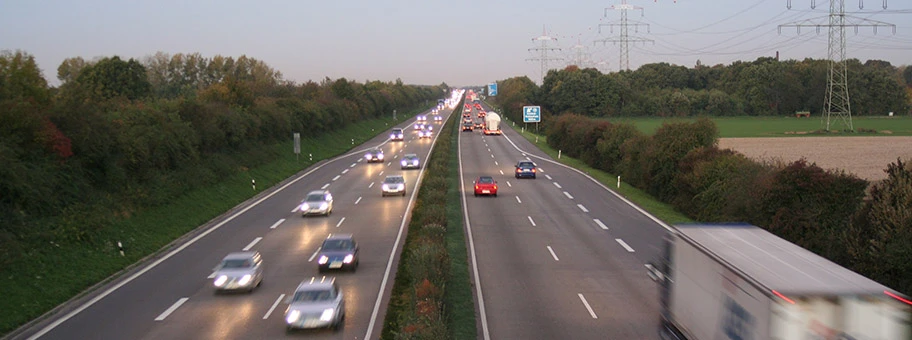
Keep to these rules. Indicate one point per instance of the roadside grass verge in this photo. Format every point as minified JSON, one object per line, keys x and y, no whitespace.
{"x":432,"y":296}
{"x":48,"y":275}
{"x":660,"y":210}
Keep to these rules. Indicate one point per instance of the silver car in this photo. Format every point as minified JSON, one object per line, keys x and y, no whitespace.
{"x":316,"y":303}
{"x":239,"y":271}
{"x":317,"y":202}
{"x":393,"y":185}
{"x":374,"y":155}
{"x":410,"y":161}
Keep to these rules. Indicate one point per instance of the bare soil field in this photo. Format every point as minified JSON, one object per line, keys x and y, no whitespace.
{"x":866,"y":157}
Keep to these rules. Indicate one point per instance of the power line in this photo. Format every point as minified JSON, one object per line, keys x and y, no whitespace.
{"x":836,"y":102}
{"x":544,"y":39}
{"x":624,"y":37}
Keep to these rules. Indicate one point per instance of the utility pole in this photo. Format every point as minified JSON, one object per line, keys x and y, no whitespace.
{"x":624,"y":37}
{"x":836,"y":104}
{"x":543,"y":50}
{"x":580,"y":58}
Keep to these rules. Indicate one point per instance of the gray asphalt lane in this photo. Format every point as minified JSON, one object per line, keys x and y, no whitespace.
{"x":287,"y":242}
{"x":585,"y":286}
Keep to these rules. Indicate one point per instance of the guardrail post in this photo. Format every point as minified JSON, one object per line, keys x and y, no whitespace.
{"x":619,"y":182}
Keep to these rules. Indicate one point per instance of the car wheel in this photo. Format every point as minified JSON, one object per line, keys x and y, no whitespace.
{"x":495,"y":194}
{"x":321,"y":270}
{"x":476,"y":194}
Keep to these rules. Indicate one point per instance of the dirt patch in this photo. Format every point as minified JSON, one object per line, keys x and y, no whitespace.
{"x":866,"y":157}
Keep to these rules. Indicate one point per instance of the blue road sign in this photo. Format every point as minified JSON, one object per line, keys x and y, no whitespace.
{"x":492,"y":89}
{"x":531,"y":114}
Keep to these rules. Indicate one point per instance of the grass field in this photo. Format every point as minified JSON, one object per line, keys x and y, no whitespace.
{"x":733,"y":127}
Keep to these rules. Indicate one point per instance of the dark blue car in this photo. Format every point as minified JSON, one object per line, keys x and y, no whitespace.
{"x":525,"y":169}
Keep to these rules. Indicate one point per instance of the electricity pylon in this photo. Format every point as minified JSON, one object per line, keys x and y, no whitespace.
{"x":836,"y":104}
{"x":544,"y":49}
{"x":624,"y":37}
{"x":580,"y":57}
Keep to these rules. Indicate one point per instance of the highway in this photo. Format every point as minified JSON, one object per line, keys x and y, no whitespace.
{"x":559,"y":256}
{"x":172,"y":297}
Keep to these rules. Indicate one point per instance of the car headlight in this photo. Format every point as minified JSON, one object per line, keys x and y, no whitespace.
{"x":220,"y":281}
{"x":368,"y":156}
{"x":386,"y":187}
{"x":245,"y":280}
{"x":324,"y":205}
{"x":305,"y":206}
{"x":292,"y":316}
{"x":415,"y":162}
{"x":380,"y":156}
{"x":404,"y":163}
{"x":327,"y":314}
{"x":348,"y":258}
{"x":323,"y":259}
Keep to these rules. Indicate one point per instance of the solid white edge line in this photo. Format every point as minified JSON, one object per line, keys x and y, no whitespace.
{"x":358,"y":200}
{"x":568,"y":195}
{"x":531,"y":221}
{"x":340,"y":222}
{"x":389,"y":264}
{"x":600,"y":224}
{"x":314,"y":254}
{"x":171,"y":309}
{"x":558,"y":185}
{"x":468,"y":226}
{"x":586,"y":303}
{"x":167,"y":256}
{"x":274,"y":225}
{"x":552,"y":253}
{"x":518,"y":200}
{"x":622,"y":198}
{"x":582,"y":208}
{"x":252,"y":243}
{"x":624,"y":244}
{"x":274,"y":305}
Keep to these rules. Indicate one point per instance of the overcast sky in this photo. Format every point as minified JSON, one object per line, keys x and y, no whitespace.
{"x":467,"y":42}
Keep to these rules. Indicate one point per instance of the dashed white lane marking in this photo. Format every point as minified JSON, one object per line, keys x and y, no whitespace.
{"x":600,"y":224}
{"x":495,"y":163}
{"x":518,"y":200}
{"x":281,"y":296}
{"x":358,"y":200}
{"x":568,"y":195}
{"x":371,"y":185}
{"x":548,"y":177}
{"x":252,"y":243}
{"x":624,"y":244}
{"x":553,"y":254}
{"x":314,"y":255}
{"x":492,"y":155}
{"x":211,"y":276}
{"x":336,"y":178}
{"x":274,"y":225}
{"x":340,"y":222}
{"x":353,"y":165}
{"x":171,"y":309}
{"x":501,"y":172}
{"x":582,"y":208}
{"x":586,"y":303}
{"x":389,"y":164}
{"x":325,"y":186}
{"x":509,"y":185}
{"x":381,"y":173}
{"x":531,"y":221}
{"x":344,"y":171}
{"x":558,"y":185}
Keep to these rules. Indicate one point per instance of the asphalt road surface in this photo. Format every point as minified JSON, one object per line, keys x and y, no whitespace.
{"x":172,"y":297}
{"x":559,"y":256}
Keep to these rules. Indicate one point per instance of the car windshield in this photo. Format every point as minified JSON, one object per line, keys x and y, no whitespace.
{"x":237,"y":263}
{"x":314,"y":295}
{"x":411,"y":157}
{"x":314,"y":198}
{"x":375,"y":152}
{"x":486,"y":180}
{"x":334,"y":245}
{"x":393,"y":180}
{"x":526,"y":165}
{"x":397,"y":131}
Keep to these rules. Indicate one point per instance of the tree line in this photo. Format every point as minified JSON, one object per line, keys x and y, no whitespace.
{"x":763,"y":87}
{"x":120,"y":135}
{"x":860,"y":225}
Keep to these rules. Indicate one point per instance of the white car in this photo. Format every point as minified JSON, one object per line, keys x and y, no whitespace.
{"x":239,"y":271}
{"x":419,"y":126}
{"x":393,"y":185}
{"x":316,"y":303}
{"x":410,"y":161}
{"x":317,"y":202}
{"x":424,"y":133}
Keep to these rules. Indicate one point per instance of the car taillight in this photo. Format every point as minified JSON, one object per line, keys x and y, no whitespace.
{"x":533,"y":169}
{"x":476,"y":187}
{"x":495,"y":187}
{"x":518,"y":170}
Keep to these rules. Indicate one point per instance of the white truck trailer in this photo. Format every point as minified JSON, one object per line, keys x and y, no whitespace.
{"x":738,"y":281}
{"x":492,"y":123}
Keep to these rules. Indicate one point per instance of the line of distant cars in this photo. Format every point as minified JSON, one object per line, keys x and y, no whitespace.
{"x":317,"y":302}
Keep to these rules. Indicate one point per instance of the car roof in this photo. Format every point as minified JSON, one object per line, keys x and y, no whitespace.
{"x":318,"y":192}
{"x":340,"y":237}
{"x":314,"y":282}
{"x":411,"y":155}
{"x":240,"y":255}
{"x":525,"y":162}
{"x":394,"y":176}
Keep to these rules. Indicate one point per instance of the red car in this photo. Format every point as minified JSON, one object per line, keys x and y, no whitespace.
{"x":485,"y":185}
